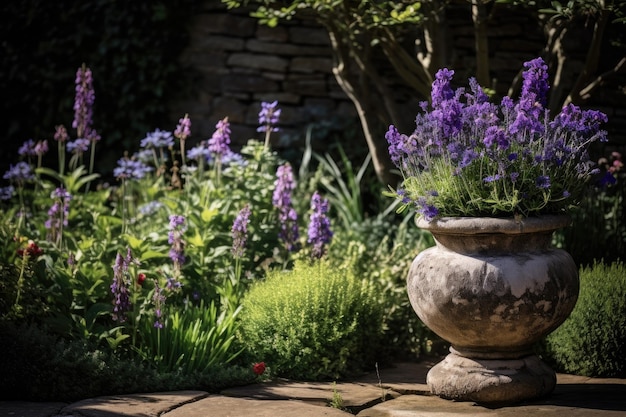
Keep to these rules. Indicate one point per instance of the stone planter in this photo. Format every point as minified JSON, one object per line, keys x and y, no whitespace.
{"x":492,"y":287}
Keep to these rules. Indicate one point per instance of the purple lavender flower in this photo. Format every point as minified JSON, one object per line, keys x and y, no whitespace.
{"x":6,"y":193}
{"x":268,"y":117}
{"x":19,"y":173}
{"x":239,"y":231}
{"x":60,"y":134}
{"x":131,"y":169}
{"x":200,"y":153}
{"x":150,"y":208}
{"x":58,"y":214}
{"x":177,"y":227}
{"x":158,"y":298}
{"x":441,"y":90}
{"x":119,"y":289}
{"x":220,"y":141}
{"x":83,"y":105}
{"x":27,"y":148}
{"x":535,"y":86}
{"x":543,"y":182}
{"x":78,"y":146}
{"x":319,"y":233}
{"x":183,"y":129}
{"x":281,"y":199}
{"x":41,"y":147}
{"x":494,"y":156}
{"x":157,"y":139}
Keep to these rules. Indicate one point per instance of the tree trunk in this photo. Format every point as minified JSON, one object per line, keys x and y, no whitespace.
{"x":479,"y":17}
{"x":366,"y":104}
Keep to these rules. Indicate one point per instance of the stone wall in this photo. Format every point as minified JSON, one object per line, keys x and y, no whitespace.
{"x":241,"y":63}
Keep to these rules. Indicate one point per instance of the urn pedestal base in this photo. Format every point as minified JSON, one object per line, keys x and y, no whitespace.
{"x":491,"y":381}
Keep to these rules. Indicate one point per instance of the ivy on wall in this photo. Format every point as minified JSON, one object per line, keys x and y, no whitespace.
{"x":132,"y":48}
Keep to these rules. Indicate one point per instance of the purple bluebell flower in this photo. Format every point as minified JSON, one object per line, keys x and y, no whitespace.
{"x":319,"y":232}
{"x":219,"y":144}
{"x":281,"y":199}
{"x":239,"y":231}
{"x":60,"y":134}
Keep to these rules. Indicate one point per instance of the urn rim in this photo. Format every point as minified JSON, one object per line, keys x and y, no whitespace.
{"x":503,"y":225}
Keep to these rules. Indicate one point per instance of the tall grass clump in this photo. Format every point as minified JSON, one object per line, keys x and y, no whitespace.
{"x":592,"y":341}
{"x":313,"y":322}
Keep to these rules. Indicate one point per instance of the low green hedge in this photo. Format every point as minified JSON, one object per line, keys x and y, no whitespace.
{"x":312,"y":323}
{"x":592,"y":341}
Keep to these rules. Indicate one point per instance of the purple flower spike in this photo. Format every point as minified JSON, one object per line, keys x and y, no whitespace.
{"x":319,"y":233}
{"x":268,"y":117}
{"x":284,"y":186}
{"x":240,"y":231}
{"x":220,"y":141}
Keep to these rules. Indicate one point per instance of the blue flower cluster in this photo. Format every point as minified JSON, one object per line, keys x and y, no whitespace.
{"x":470,"y":157}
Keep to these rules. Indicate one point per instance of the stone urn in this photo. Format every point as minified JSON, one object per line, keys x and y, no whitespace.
{"x":492,"y":287}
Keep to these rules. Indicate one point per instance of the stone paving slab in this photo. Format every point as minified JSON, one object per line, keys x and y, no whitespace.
{"x":574,"y":396}
{"x":135,"y":405}
{"x":222,"y":406}
{"x":354,"y":396}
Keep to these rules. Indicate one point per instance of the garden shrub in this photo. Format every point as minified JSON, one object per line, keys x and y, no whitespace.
{"x":39,"y":366}
{"x":592,"y":341}
{"x":314,"y":322}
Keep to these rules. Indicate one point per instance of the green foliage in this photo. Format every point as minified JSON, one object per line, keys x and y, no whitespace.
{"x":192,"y":339}
{"x":592,"y":341}
{"x":599,"y":218}
{"x":314,"y":322}
{"x":38,"y":366}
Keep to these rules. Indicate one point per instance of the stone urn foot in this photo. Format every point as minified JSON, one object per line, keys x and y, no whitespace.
{"x":491,"y":381}
{"x":492,"y":287}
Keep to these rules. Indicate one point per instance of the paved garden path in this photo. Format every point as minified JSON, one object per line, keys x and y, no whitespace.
{"x":398,"y":391}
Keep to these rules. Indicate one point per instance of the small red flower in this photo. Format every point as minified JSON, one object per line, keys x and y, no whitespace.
{"x":32,"y":250}
{"x":141,"y":277}
{"x":258,"y":368}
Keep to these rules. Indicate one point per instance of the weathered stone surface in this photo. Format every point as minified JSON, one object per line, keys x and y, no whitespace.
{"x":311,"y":64}
{"x":139,"y":405}
{"x":220,"y":406}
{"x":574,"y":396}
{"x":354,"y":396}
{"x":258,"y":61}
